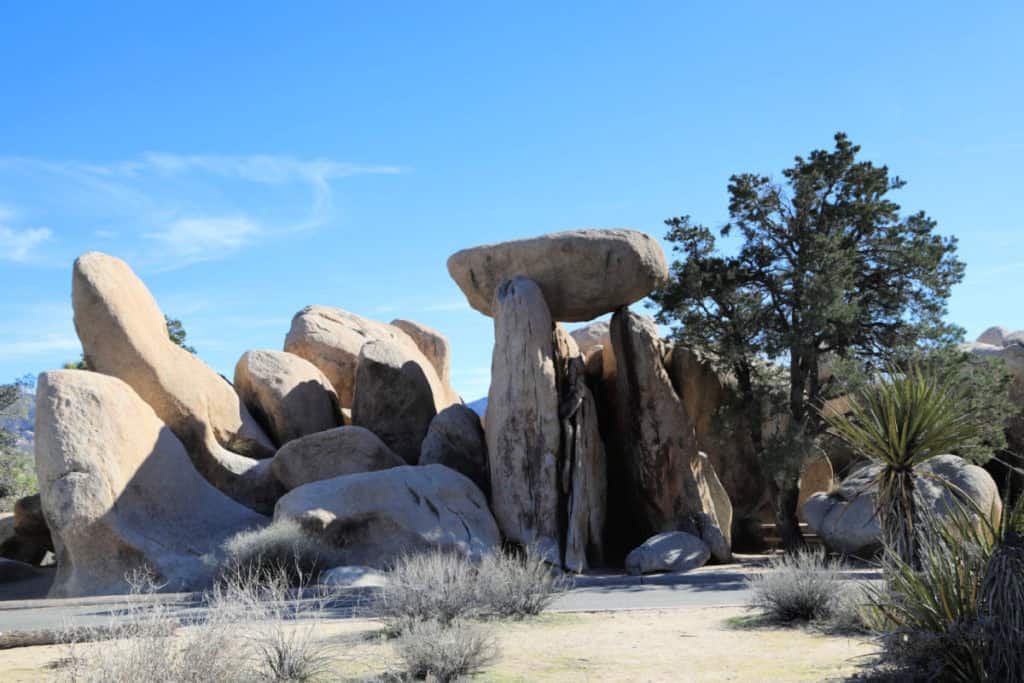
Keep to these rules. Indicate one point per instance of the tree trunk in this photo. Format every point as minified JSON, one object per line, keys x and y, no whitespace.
{"x":786,"y":521}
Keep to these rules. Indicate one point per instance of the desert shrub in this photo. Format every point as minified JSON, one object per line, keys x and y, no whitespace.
{"x":445,"y":652}
{"x":803,"y":586}
{"x":443,"y":587}
{"x":518,"y":585}
{"x":283,"y":548}
{"x":151,"y":641}
{"x":258,"y":631}
{"x":959,"y":614}
{"x":279,"y":624}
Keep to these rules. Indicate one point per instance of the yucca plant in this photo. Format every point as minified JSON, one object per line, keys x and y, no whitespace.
{"x":958,"y":615}
{"x":909,"y":416}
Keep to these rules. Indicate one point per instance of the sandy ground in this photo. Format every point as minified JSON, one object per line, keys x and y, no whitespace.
{"x":692,"y":644}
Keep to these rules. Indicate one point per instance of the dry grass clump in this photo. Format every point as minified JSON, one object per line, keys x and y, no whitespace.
{"x":444,"y":587}
{"x":445,"y":652}
{"x":250,"y":631}
{"x":281,"y":549}
{"x":805,"y":587}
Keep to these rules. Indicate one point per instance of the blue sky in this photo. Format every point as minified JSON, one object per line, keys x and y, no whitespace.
{"x":250,"y":159}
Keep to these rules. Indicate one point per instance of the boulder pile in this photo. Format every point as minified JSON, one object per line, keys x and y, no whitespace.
{"x":591,"y":445}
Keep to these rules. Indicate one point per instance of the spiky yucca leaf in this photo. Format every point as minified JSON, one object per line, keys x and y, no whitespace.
{"x":902,"y":421}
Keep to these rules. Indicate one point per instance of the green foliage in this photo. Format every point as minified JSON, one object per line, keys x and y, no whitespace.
{"x":826,"y":265}
{"x":17,"y":468}
{"x":176,"y":331}
{"x":901,"y":421}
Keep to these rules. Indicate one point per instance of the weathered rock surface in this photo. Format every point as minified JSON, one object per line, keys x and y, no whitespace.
{"x":582,"y":273}
{"x":674,"y":551}
{"x":332,"y":453}
{"x":397,"y":394}
{"x":456,"y":439}
{"x":816,"y":477}
{"x":589,"y":337}
{"x":522,"y":424}
{"x":331,"y":339}
{"x":588,"y":488}
{"x":431,"y":344}
{"x":846,"y":520}
{"x":996,"y":336}
{"x":716,"y":521}
{"x":376,"y":517}
{"x":721,"y":432}
{"x":24,"y":536}
{"x":118,"y":490}
{"x":353,"y":577}
{"x":287,"y":395}
{"x":660,"y":448}
{"x":124,"y":335}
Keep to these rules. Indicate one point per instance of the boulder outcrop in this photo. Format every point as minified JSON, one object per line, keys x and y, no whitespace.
{"x":377,"y":517}
{"x":456,"y":439}
{"x":286,"y":394}
{"x":124,"y":335}
{"x":332,"y":453}
{"x":846,"y":518}
{"x":397,"y":394}
{"x":24,"y":535}
{"x":659,"y":447}
{"x":119,"y":492}
{"x":675,"y":551}
{"x":582,"y":273}
{"x":431,"y":344}
{"x":522,"y":425}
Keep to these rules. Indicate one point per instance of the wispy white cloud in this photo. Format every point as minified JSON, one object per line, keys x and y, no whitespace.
{"x":40,"y":345}
{"x":206,"y":238}
{"x":189,"y":207}
{"x":17,"y":244}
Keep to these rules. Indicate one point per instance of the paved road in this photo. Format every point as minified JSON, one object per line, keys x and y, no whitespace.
{"x":704,"y":588}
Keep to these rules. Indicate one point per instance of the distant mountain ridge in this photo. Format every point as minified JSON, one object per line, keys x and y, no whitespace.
{"x":479,"y":406}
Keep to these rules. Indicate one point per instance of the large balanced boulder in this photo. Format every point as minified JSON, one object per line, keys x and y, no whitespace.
{"x":331,"y":339}
{"x":286,"y":394}
{"x":658,"y":446}
{"x":582,"y":273}
{"x":124,"y":335}
{"x":119,"y":492}
{"x":846,"y":518}
{"x":378,"y":517}
{"x":456,"y":439}
{"x":522,"y":425}
{"x":397,"y":394}
{"x":431,"y":344}
{"x":673,"y":551}
{"x":332,"y":453}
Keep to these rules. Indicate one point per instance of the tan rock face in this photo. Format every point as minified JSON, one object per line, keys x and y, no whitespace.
{"x":397,"y":394}
{"x":455,"y":439}
{"x":590,"y":338}
{"x":522,"y":425}
{"x":329,"y":454}
{"x":331,"y":339}
{"x":119,"y":492}
{"x":588,"y":494}
{"x":287,"y":395}
{"x":656,"y":434}
{"x":376,"y":517}
{"x":816,"y":477}
{"x":431,"y":344}
{"x":123,"y":334}
{"x":721,"y":432}
{"x":582,"y":273}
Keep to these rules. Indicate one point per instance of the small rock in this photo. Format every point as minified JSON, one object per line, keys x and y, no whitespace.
{"x":674,"y":551}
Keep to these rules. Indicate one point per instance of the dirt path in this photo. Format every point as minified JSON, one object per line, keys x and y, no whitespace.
{"x":691,"y":644}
